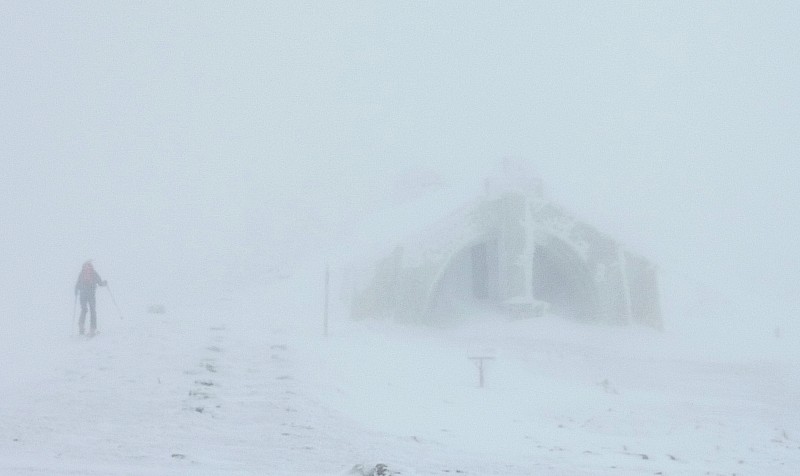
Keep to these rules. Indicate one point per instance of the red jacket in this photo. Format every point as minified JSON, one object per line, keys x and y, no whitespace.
{"x":88,"y":280}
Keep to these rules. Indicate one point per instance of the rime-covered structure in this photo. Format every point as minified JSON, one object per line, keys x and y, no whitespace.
{"x":514,"y":251}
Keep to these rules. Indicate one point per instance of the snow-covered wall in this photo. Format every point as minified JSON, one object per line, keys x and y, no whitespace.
{"x":515,"y":251}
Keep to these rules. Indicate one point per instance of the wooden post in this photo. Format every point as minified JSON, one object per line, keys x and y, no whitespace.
{"x":479,"y":362}
{"x":327,"y":292}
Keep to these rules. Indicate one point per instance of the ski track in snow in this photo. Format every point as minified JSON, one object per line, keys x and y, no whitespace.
{"x":203,"y":395}
{"x":167,"y":397}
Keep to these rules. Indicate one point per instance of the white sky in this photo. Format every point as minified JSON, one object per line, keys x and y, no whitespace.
{"x":174,"y":142}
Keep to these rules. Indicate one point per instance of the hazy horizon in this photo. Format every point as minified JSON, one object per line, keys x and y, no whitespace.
{"x":182,"y":144}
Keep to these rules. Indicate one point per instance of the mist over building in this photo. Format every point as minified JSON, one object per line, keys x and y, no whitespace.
{"x":511,"y":250}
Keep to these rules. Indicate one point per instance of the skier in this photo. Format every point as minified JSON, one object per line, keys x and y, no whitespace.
{"x":88,"y":280}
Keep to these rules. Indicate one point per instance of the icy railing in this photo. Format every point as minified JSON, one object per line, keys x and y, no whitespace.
{"x":556,"y":222}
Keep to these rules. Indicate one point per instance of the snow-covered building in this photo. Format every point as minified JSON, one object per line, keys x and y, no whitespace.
{"x":510,"y":250}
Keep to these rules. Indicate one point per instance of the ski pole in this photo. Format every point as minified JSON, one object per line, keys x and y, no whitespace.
{"x":114,"y":300}
{"x":74,"y":309}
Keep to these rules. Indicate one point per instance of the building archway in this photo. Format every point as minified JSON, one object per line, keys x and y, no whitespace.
{"x":469,"y":281}
{"x":561,"y":279}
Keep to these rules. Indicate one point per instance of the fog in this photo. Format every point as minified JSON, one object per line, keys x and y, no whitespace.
{"x":186,"y":146}
{"x":215,"y":157}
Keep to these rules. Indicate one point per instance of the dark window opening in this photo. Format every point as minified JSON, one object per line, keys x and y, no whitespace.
{"x":470,"y":280}
{"x":560,"y":279}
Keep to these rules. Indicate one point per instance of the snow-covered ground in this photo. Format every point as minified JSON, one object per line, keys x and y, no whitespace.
{"x":250,"y":385}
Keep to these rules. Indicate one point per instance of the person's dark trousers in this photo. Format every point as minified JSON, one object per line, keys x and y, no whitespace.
{"x":88,"y":301}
